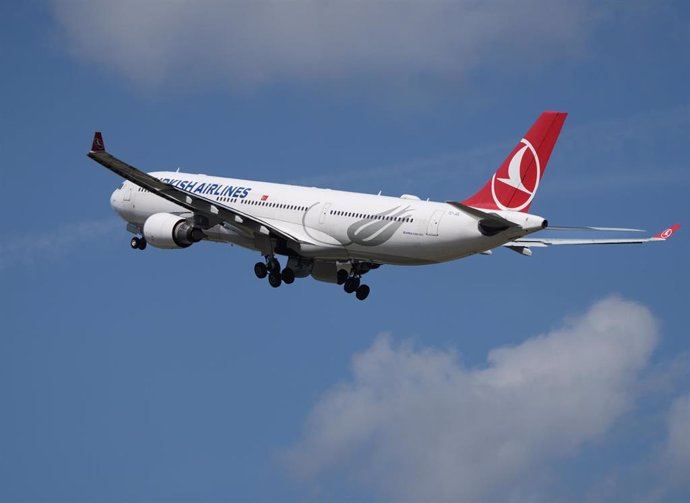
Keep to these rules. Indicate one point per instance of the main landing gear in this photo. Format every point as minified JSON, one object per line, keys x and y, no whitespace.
{"x":352,"y":281}
{"x":138,"y":243}
{"x":276,"y":276}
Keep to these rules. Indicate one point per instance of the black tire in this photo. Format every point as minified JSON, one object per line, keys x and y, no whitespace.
{"x":351,"y":284}
{"x":142,"y":243}
{"x":260,"y":270}
{"x":288,"y":276}
{"x":134,"y":243}
{"x":363,"y":292}
{"x":274,"y":280}
{"x":341,"y":276}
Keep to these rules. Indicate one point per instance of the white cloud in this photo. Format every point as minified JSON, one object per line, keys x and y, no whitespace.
{"x":248,"y":43}
{"x":416,"y":425}
{"x":676,"y":453}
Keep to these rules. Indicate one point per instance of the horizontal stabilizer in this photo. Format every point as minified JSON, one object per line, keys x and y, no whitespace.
{"x":544,"y":242}
{"x":600,"y":229}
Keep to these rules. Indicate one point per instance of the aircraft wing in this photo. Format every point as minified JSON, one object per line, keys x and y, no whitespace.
{"x":545,"y":242}
{"x":213,"y":211}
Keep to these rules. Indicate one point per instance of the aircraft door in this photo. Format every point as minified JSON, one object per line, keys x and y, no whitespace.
{"x":434,"y":221}
{"x":324,"y":214}
{"x":126,"y":193}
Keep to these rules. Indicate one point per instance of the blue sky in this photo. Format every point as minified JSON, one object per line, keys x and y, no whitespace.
{"x":177,"y":376}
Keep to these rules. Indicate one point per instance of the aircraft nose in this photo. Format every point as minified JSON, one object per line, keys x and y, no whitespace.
{"x":116,"y":200}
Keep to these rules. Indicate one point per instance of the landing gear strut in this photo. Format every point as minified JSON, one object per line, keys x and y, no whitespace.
{"x":273,"y":265}
{"x":138,"y":243}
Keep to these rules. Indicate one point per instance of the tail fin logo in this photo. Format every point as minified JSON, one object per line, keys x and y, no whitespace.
{"x":514,"y":185}
{"x":97,"y":145}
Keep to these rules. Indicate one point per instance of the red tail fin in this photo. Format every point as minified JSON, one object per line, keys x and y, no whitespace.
{"x":515,"y":184}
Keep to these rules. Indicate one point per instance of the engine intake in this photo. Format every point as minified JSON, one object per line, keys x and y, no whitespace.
{"x":165,"y":230}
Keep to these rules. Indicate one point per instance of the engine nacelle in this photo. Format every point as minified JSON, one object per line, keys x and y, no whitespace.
{"x":165,"y":230}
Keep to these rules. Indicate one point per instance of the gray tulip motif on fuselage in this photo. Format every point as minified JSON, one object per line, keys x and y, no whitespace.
{"x":379,"y":229}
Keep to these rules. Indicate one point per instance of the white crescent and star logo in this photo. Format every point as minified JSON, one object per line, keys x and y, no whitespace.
{"x":515,"y":191}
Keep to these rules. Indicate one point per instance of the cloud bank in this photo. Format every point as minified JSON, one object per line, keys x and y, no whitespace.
{"x":676,"y":453}
{"x":251,"y":43}
{"x":416,"y":425}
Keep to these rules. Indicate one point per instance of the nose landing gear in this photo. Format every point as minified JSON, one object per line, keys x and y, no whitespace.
{"x":138,"y":243}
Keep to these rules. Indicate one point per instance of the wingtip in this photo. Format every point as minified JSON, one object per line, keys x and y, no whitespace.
{"x":97,"y":145}
{"x":667,"y":233}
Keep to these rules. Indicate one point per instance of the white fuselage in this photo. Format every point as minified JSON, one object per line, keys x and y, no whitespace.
{"x":334,"y":225}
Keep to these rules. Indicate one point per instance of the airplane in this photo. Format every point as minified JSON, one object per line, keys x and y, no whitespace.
{"x":336,"y":236}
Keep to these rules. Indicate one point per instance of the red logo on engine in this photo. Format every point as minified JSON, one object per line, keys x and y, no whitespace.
{"x":515,"y":183}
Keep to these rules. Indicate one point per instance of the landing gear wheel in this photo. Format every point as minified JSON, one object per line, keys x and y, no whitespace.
{"x":137,"y":243}
{"x":288,"y":276}
{"x":351,"y":284}
{"x":260,"y":270}
{"x":341,"y":276}
{"x":273,"y":265}
{"x":274,"y":280}
{"x":363,"y":292}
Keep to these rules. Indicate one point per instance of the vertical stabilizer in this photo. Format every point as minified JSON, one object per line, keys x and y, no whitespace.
{"x":516,"y":181}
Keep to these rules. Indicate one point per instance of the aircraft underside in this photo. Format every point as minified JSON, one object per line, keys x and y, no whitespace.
{"x":341,"y":265}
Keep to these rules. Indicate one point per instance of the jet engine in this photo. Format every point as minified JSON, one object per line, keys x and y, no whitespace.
{"x":165,"y":230}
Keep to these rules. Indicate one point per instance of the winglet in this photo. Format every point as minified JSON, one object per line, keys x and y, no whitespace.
{"x":665,"y":234}
{"x":97,"y":145}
